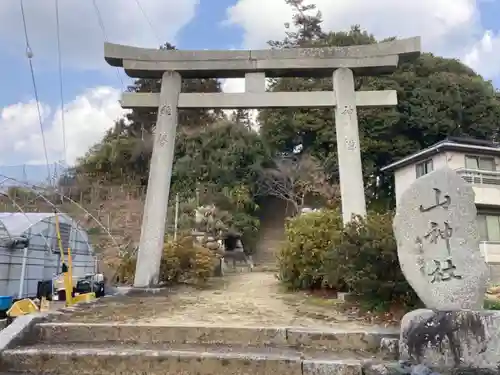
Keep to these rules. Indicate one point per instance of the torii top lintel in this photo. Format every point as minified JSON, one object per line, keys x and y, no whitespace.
{"x":372,"y":59}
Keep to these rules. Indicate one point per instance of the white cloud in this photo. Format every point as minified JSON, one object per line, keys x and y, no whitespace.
{"x":235,"y":85}
{"x":484,"y":56}
{"x":81,"y":36}
{"x":447,"y":27}
{"x":87,"y":118}
{"x":434,"y":20}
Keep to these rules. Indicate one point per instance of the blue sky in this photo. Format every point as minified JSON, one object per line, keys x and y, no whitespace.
{"x":466,"y":29}
{"x":205,"y":30}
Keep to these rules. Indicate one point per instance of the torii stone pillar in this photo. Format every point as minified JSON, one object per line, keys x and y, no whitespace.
{"x":156,"y":205}
{"x":352,"y":188}
{"x":340,"y":63}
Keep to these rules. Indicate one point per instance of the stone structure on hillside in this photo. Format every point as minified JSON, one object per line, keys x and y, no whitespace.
{"x":207,"y":230}
{"x":339,"y":63}
{"x":211,"y":233}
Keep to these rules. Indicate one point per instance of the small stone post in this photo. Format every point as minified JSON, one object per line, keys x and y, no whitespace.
{"x":155,"y":208}
{"x":348,"y":145}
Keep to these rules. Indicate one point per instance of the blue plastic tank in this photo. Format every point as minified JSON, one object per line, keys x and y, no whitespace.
{"x":5,"y":302}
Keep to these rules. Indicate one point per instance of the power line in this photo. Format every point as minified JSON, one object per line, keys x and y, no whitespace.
{"x":148,"y":20}
{"x":105,"y":35}
{"x":29,"y":55}
{"x":61,"y":79}
{"x":99,"y":19}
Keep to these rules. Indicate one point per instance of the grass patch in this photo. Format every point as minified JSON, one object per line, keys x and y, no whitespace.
{"x":491,"y":304}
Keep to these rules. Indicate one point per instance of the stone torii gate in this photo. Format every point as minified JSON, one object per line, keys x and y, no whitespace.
{"x":340,"y":63}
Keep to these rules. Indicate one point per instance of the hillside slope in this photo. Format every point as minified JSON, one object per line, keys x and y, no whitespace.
{"x":110,"y":215}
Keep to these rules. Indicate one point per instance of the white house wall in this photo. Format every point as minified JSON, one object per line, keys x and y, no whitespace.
{"x":486,"y":195}
{"x":457,"y":159}
{"x":406,"y":176}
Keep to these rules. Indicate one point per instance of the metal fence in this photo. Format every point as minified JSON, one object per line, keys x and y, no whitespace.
{"x":479,"y":177}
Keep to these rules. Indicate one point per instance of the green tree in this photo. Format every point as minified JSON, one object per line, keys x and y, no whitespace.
{"x":126,"y":149}
{"x":437,"y":97}
{"x":242,"y":116}
{"x":144,"y":119}
{"x":220,"y":164}
{"x":224,"y":154}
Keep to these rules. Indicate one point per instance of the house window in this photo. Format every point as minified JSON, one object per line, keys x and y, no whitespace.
{"x":480,"y":162}
{"x":489,"y":227}
{"x":424,"y":168}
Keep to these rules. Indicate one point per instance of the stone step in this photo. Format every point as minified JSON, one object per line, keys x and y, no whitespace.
{"x":267,"y":261}
{"x":83,"y":359}
{"x":266,"y":267}
{"x":331,"y":340}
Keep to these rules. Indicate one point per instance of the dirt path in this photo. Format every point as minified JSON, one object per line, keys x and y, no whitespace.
{"x":246,"y":299}
{"x":243,"y":299}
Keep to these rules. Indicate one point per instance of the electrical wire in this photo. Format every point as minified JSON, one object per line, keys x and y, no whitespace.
{"x":29,"y":55}
{"x":148,"y":20}
{"x":105,"y":35}
{"x":99,"y":19}
{"x":61,"y":91}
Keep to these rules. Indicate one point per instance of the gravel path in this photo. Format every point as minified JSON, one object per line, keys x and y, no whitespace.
{"x":242,"y":299}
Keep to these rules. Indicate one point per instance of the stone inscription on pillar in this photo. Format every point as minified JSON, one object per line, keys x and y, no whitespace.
{"x":165,"y":110}
{"x":155,"y":208}
{"x":346,"y":124}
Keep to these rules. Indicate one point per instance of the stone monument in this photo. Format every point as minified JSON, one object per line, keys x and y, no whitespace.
{"x":438,"y":242}
{"x":338,"y":63}
{"x":438,"y":249}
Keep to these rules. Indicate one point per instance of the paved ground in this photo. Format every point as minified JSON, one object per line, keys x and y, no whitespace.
{"x":244,"y":299}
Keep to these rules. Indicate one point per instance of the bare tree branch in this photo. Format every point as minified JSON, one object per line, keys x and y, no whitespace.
{"x":294,"y":178}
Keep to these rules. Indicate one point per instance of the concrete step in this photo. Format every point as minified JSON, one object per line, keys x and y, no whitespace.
{"x":332,"y":340}
{"x":83,"y":359}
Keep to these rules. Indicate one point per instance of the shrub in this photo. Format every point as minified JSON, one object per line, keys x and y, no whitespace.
{"x":491,"y":304}
{"x":182,"y":261}
{"x":370,"y":265}
{"x":362,"y":257}
{"x":309,"y":239}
